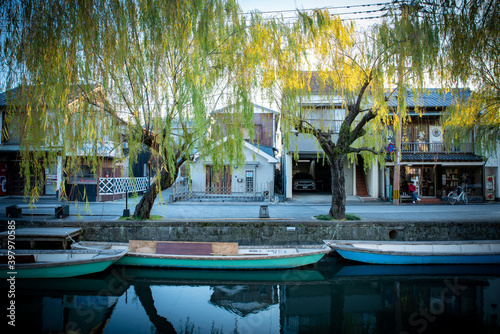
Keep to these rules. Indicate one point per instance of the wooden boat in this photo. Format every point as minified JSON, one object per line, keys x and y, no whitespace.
{"x":419,"y":252}
{"x":56,"y":263}
{"x":212,"y":255}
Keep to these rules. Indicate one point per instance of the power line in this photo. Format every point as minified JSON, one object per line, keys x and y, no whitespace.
{"x":328,"y":7}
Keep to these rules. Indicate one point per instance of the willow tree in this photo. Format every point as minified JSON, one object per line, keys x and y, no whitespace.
{"x":352,"y":71}
{"x":470,"y":56}
{"x":145,"y":72}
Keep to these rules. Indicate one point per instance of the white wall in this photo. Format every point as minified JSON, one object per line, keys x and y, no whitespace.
{"x":372,"y":180}
{"x":349,"y":178}
{"x":288,"y":174}
{"x":263,"y":172}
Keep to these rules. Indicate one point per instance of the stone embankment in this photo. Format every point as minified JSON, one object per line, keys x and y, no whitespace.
{"x":277,"y":232}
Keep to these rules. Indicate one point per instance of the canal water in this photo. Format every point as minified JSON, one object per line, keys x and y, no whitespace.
{"x":333,"y":296}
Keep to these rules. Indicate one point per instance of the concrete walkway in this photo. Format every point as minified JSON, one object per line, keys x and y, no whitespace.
{"x":302,"y":207}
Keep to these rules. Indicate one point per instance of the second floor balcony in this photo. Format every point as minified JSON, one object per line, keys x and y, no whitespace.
{"x":435,"y":147}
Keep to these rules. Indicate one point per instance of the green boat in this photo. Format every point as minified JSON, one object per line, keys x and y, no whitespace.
{"x":211,"y":255}
{"x":55,"y":263}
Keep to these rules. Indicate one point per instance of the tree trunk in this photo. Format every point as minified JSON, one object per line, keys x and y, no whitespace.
{"x":143,"y":209}
{"x":337,"y":208}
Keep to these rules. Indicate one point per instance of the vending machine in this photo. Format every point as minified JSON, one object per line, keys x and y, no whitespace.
{"x":490,"y":187}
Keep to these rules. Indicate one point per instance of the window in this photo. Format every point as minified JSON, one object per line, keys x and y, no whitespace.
{"x":249,"y":181}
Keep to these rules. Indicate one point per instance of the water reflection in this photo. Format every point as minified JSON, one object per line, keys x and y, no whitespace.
{"x":334,"y":297}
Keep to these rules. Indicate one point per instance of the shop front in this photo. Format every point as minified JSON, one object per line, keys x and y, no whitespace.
{"x":437,"y":179}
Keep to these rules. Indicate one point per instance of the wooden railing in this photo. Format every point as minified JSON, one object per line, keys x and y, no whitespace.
{"x":121,"y":185}
{"x":236,"y":192}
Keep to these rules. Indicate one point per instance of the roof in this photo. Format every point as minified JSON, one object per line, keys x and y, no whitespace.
{"x":428,"y":98}
{"x":440,"y":157}
{"x":266,"y":152}
{"x":226,"y":108}
{"x":316,"y":83}
{"x":23,"y":92}
{"x":432,"y":98}
{"x":266,"y":149}
{"x":9,"y":95}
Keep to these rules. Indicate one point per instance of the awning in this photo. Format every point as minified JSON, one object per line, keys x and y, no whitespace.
{"x":450,"y":159}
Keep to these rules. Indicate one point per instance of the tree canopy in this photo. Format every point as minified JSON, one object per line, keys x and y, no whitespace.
{"x":470,"y":56}
{"x":149,"y":73}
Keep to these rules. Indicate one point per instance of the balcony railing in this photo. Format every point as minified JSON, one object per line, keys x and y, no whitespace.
{"x":423,"y":147}
{"x":324,"y":124}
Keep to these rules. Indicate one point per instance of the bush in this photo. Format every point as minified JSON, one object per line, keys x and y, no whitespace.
{"x":152,"y":217}
{"x":348,"y":216}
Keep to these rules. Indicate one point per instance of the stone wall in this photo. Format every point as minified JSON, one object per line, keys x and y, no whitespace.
{"x":267,"y":232}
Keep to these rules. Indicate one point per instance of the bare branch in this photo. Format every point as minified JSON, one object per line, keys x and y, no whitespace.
{"x":365,"y":149}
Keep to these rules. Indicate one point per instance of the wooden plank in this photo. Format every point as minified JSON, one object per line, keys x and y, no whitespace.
{"x":39,"y":206}
{"x":58,"y":232}
{"x":184,"y":248}
{"x":224,"y":248}
{"x":142,"y":246}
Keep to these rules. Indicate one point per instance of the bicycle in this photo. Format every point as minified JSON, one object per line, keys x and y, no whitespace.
{"x":458,"y":195}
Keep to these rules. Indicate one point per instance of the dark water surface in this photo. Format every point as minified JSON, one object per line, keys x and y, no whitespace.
{"x":333,"y":296}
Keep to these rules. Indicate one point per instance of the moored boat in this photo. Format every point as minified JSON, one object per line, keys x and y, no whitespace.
{"x":43,"y":263}
{"x":212,"y":255}
{"x":418,"y":252}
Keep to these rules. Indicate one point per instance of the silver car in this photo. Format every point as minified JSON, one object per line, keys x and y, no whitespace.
{"x":304,"y":181}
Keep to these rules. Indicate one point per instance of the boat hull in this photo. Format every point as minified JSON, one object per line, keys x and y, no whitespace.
{"x":374,"y":258}
{"x":60,"y":264}
{"x":58,"y":271}
{"x":418,"y":253}
{"x":214,"y":262}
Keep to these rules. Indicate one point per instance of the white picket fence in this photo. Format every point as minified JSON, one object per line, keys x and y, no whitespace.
{"x":121,"y":185}
{"x":237,"y":192}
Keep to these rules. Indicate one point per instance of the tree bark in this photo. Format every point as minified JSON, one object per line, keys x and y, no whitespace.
{"x":143,"y":209}
{"x":337,"y":208}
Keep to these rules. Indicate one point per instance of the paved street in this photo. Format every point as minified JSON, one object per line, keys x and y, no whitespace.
{"x":301,"y":208}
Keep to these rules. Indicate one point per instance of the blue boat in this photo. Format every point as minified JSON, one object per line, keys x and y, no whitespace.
{"x":35,"y":263}
{"x":418,"y":252}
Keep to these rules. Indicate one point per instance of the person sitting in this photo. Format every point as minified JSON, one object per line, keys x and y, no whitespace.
{"x":412,"y":190}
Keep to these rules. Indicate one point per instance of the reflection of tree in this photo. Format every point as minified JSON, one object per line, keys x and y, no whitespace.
{"x":162,"y":325}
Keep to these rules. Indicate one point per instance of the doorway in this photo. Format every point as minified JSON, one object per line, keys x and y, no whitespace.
{"x":218,"y":183}
{"x":424,"y":179}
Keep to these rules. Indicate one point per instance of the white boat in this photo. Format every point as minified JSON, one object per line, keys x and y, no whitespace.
{"x":43,"y":263}
{"x":211,"y":255}
{"x":418,"y":252}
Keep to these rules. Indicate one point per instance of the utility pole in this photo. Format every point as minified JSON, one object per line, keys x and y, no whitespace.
{"x":398,"y":121}
{"x":398,"y":125}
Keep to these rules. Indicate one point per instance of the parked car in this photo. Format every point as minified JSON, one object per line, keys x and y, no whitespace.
{"x":304,"y":181}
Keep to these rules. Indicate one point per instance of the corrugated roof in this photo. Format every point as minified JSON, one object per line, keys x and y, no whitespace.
{"x":8,"y":95}
{"x":432,"y":98}
{"x":21,"y":94}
